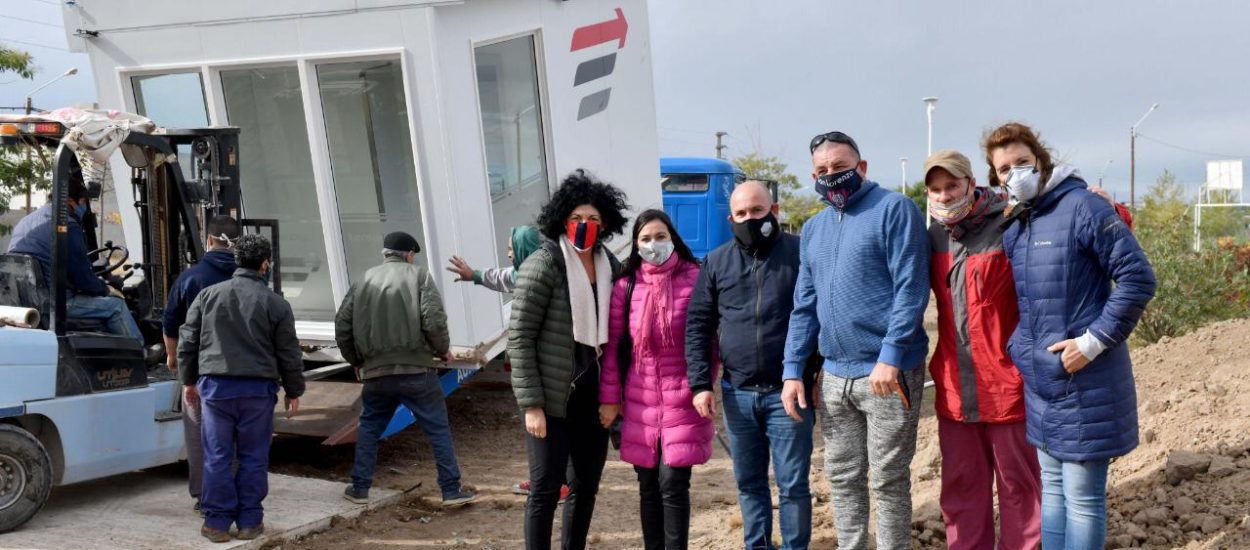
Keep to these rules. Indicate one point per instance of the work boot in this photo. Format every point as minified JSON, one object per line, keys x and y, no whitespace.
{"x":459,"y":498}
{"x":214,"y":535}
{"x":358,"y":496}
{"x":249,"y":533}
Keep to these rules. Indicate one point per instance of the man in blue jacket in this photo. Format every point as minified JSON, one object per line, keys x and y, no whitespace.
{"x":216,"y":266}
{"x":87,"y":295}
{"x":861,"y":295}
{"x":738,"y":315}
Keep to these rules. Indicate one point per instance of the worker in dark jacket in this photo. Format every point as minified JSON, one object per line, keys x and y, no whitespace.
{"x":216,"y":266}
{"x":392,"y":325}
{"x":1082,"y":283}
{"x":238,"y":343}
{"x":738,"y":316}
{"x":87,"y":296}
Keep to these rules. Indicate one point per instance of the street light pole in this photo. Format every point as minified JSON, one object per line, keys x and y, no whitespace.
{"x":930,"y":104}
{"x":903,"y":162}
{"x":1132,"y":157}
{"x":30,"y":107}
{"x":1103,"y":172}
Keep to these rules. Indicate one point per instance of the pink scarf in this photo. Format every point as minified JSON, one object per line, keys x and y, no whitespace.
{"x":657,"y":308}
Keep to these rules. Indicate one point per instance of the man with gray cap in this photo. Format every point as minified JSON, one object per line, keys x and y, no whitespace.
{"x":392,"y":326}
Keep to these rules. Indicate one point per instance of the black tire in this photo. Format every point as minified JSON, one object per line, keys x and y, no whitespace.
{"x":25,"y":477}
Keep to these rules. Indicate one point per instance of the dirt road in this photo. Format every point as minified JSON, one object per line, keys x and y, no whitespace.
{"x":1192,"y":396}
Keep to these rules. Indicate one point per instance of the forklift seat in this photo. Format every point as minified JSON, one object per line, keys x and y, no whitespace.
{"x":22,"y":284}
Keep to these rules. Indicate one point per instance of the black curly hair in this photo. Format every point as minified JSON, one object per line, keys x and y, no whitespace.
{"x":580,"y":188}
{"x":251,"y":251}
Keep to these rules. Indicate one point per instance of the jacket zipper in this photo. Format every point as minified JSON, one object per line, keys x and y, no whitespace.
{"x":759,"y":299}
{"x":837,"y":253}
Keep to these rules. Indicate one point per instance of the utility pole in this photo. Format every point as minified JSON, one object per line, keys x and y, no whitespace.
{"x":720,"y":154}
{"x":1132,"y":158}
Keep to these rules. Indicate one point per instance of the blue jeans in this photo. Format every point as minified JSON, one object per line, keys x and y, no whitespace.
{"x":757,"y":424}
{"x":236,"y":428}
{"x":1074,"y":503}
{"x":110,"y":309}
{"x":423,"y":395}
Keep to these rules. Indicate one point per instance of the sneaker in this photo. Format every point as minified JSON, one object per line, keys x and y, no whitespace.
{"x":249,"y":533}
{"x":199,"y":511}
{"x":522,"y":488}
{"x":358,"y":496}
{"x":214,"y":535}
{"x":459,"y":498}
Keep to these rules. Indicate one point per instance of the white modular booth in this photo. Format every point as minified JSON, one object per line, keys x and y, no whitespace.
{"x":452,"y":120}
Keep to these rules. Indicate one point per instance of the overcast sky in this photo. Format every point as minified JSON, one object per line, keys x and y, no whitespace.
{"x":774,"y":73}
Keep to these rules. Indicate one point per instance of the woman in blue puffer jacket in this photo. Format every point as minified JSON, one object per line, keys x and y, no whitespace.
{"x":1082,"y":282}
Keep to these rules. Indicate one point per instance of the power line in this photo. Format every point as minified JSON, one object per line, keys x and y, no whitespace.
{"x":1188,"y":150}
{"x":15,"y":18}
{"x":33,"y":44}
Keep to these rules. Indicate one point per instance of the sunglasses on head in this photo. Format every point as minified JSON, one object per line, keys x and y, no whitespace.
{"x":835,"y":137}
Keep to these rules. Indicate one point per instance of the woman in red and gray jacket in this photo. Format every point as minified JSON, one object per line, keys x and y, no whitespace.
{"x":980,"y":395}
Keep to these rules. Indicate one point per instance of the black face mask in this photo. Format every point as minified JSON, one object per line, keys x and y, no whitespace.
{"x":757,"y":234}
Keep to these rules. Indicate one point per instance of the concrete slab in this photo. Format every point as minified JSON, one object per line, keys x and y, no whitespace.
{"x":151,"y":510}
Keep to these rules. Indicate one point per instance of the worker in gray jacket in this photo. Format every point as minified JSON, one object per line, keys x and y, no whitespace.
{"x":392,"y":326}
{"x":237,"y":344}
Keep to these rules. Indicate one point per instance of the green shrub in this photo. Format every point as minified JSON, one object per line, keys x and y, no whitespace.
{"x":1195,"y":288}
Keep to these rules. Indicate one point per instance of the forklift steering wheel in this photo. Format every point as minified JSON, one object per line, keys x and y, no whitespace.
{"x":107,"y":251}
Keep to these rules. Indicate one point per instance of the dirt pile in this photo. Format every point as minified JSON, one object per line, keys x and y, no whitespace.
{"x":1188,"y":484}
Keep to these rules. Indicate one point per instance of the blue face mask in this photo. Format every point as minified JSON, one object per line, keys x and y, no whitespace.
{"x":80,"y":210}
{"x":837,"y":188}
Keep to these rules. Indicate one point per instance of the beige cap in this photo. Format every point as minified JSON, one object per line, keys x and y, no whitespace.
{"x":950,"y":160}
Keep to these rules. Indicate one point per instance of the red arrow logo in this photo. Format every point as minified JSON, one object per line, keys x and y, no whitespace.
{"x":599,"y":33}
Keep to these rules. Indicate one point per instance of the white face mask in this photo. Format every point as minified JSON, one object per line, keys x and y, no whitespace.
{"x":656,"y":252}
{"x":1023,"y":183}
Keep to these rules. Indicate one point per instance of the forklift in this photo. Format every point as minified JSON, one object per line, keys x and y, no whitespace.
{"x":78,"y":404}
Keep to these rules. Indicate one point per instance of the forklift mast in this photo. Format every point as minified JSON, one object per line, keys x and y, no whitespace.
{"x":173,"y":210}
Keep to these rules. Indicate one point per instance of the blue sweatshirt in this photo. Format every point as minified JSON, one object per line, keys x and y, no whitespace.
{"x":33,"y":236}
{"x":217,"y":266}
{"x":863,"y":287}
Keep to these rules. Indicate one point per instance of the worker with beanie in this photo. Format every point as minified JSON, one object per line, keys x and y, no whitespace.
{"x":392,"y":327}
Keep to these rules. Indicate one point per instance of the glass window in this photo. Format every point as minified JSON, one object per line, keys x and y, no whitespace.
{"x":684,"y":183}
{"x":375,"y":180}
{"x":173,"y":100}
{"x":276,"y":169}
{"x":512,"y":134}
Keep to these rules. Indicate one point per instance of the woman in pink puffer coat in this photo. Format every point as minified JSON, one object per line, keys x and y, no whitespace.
{"x":662,"y":434}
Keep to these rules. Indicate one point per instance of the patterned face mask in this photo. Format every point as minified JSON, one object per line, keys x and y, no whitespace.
{"x":582,"y":235}
{"x":952,"y":212}
{"x":837,"y":188}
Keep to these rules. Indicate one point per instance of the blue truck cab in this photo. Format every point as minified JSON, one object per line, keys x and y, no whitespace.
{"x":696,"y":196}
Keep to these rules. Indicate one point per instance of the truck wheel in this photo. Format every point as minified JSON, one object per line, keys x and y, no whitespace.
{"x":25,"y":476}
